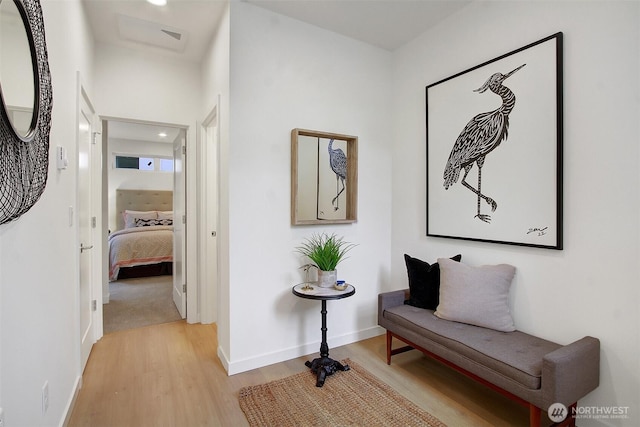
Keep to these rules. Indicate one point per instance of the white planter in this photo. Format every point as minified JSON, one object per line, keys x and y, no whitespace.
{"x":327,"y":279}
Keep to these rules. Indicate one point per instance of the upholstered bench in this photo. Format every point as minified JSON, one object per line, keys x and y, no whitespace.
{"x":528,"y":369}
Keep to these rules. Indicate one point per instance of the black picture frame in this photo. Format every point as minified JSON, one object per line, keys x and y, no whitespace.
{"x":494,"y":149}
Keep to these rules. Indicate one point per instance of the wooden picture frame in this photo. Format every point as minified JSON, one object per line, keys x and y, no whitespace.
{"x":324,"y":178}
{"x":494,"y":149}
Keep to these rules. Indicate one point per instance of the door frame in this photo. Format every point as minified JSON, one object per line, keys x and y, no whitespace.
{"x":189,"y":268}
{"x":95,"y":204}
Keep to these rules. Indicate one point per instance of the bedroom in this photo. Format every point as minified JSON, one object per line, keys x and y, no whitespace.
{"x":140,"y":257}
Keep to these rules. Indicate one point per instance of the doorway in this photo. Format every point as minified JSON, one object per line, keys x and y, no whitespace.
{"x":144,"y":203}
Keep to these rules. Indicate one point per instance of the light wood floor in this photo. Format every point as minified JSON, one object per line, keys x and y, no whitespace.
{"x":169,"y":375}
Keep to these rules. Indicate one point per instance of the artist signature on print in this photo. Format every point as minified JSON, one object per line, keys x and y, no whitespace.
{"x":538,"y":231}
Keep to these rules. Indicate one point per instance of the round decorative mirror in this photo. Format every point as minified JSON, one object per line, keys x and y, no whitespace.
{"x":25,"y":107}
{"x":16,"y":69}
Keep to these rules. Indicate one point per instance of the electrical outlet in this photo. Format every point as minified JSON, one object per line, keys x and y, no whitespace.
{"x":45,"y":397}
{"x":1,"y":417}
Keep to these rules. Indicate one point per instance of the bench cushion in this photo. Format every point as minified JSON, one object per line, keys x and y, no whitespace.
{"x":515,"y":355}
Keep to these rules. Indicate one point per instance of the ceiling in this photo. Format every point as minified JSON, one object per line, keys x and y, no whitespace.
{"x":184,"y":28}
{"x":139,"y":25}
{"x":388,"y":24}
{"x":141,"y":131}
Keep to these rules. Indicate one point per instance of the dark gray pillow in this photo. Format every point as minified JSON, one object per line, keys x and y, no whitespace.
{"x":424,"y":282}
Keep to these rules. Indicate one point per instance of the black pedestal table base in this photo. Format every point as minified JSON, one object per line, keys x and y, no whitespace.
{"x":324,"y":366}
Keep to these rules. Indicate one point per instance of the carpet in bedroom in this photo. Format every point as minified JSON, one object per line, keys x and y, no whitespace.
{"x":138,"y":302}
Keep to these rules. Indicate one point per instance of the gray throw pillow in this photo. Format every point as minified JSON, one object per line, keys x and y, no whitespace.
{"x":476,"y":295}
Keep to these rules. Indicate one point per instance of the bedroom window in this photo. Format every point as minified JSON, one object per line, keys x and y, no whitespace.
{"x":157,"y":164}
{"x":166,"y":165}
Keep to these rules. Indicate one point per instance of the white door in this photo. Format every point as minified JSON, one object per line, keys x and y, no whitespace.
{"x":209,"y":210}
{"x":86,"y":223}
{"x":179,"y":226}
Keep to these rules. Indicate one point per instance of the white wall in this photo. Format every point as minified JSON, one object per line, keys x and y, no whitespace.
{"x":145,"y":86}
{"x":39,"y":315}
{"x":286,"y":74}
{"x":134,"y":179}
{"x":215,"y":83}
{"x":591,"y":287}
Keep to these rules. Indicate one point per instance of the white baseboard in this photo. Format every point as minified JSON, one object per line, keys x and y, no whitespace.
{"x":223,"y":359}
{"x":72,"y":402}
{"x":236,"y":367}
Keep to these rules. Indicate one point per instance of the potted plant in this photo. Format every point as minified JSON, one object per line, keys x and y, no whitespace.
{"x":326,"y":251}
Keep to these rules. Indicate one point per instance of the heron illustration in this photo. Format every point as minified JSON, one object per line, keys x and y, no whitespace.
{"x":338,"y":162}
{"x":481,"y":136}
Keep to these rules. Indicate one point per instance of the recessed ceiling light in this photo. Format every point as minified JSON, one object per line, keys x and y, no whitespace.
{"x":162,"y":135}
{"x":158,"y":2}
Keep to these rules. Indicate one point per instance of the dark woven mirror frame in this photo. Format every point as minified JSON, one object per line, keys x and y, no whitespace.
{"x":24,"y":160}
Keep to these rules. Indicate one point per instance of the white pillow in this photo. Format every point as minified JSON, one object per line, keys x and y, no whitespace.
{"x":165,"y":214}
{"x":476,"y":295}
{"x":131,"y":216}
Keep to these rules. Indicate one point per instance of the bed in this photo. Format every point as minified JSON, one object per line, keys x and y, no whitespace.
{"x":142,"y":244}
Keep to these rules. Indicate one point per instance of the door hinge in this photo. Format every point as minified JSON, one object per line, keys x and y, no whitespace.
{"x":184,"y":288}
{"x":94,"y":305}
{"x":95,"y":137}
{"x":93,"y":222}
{"x":184,"y":219}
{"x":184,"y":150}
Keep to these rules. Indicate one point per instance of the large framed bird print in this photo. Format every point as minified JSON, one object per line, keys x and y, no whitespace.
{"x":324,"y":177}
{"x":494,"y":149}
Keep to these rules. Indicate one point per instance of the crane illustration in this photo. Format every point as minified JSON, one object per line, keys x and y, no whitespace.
{"x":480,"y":136}
{"x":338,"y":162}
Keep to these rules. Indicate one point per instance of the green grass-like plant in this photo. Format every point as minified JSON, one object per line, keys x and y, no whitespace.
{"x":325,"y":250}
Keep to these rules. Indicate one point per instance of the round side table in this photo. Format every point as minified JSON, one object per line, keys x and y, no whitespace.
{"x":323,"y":366}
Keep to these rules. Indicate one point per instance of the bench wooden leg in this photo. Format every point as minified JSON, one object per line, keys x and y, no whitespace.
{"x":393,"y":351}
{"x":570,"y":418}
{"x":535,"y":414}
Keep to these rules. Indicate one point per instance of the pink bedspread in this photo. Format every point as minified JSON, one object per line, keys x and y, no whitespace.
{"x":139,"y":246}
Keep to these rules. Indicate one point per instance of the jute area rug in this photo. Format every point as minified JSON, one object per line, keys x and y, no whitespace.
{"x":349,"y":398}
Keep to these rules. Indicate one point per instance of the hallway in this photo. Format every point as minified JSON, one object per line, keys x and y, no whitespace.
{"x":169,"y":375}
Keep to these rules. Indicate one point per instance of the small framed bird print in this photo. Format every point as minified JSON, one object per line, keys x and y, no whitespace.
{"x":494,"y":149}
{"x":324,"y":177}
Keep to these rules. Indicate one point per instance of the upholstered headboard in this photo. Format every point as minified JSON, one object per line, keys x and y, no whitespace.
{"x":141,"y":200}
